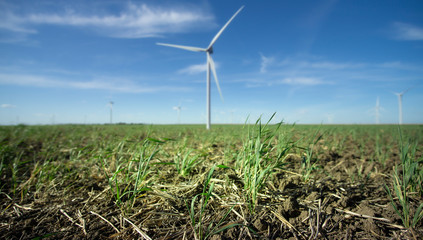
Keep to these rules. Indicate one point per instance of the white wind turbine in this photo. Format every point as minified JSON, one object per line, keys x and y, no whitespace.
{"x":400,"y":104}
{"x":232,"y":115}
{"x":210,"y":63}
{"x":178,"y":109}
{"x":111,"y":111}
{"x":377,"y":111}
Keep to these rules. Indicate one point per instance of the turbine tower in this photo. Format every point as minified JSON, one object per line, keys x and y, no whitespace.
{"x":232,"y":116}
{"x":178,"y":109}
{"x":377,"y":111}
{"x":210,"y":63}
{"x":111,"y":111}
{"x":400,"y":104}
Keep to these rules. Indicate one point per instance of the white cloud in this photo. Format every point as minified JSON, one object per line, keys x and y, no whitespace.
{"x":197,"y":68}
{"x":400,"y":65}
{"x":135,"y":21}
{"x":302,"y":111}
{"x":265,"y":62}
{"x":6,"y":105}
{"x":309,"y":71}
{"x":335,"y":66}
{"x":11,"y":22}
{"x":116,"y":85}
{"x":304,"y":81}
{"x":194,"y":69}
{"x":405,"y":31}
{"x":293,"y":81}
{"x":317,"y":64}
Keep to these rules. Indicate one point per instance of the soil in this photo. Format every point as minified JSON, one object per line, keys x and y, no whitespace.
{"x":345,"y":198}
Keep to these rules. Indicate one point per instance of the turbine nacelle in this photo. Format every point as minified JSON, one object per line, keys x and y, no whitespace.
{"x":210,"y":50}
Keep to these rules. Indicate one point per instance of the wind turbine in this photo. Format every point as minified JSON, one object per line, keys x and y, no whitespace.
{"x":111,"y":111}
{"x":400,"y":104}
{"x":210,"y":63}
{"x":232,"y":116}
{"x":377,"y":111}
{"x":178,"y":109}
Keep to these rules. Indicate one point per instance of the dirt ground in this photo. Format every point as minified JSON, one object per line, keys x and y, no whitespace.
{"x":345,"y":199}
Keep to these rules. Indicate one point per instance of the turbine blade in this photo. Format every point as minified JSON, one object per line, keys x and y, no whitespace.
{"x":223,"y":28}
{"x":194,"y":49}
{"x":408,"y":89}
{"x":211,"y":65}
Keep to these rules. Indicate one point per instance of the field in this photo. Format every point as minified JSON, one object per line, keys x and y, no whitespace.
{"x":254,"y":181}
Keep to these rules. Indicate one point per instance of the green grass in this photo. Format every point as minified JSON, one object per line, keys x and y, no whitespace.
{"x":260,"y":156}
{"x":201,"y":231}
{"x":309,"y":163}
{"x":138,"y":160}
{"x":186,"y":160}
{"x":406,"y":179}
{"x":127,"y":170}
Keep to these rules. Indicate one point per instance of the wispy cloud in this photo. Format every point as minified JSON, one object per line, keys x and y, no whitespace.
{"x":11,"y":22}
{"x":304,"y":81}
{"x":115,"y":85}
{"x":323,"y":65}
{"x":293,"y":81}
{"x":335,"y":66}
{"x":405,"y":31}
{"x":7,"y":105}
{"x":400,"y":66}
{"x":309,"y":71}
{"x":320,"y":64}
{"x":134,"y":21}
{"x":265,"y":62}
{"x":194,"y":69}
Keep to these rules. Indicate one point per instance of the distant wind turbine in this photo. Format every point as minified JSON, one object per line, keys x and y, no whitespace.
{"x":111,"y":111}
{"x":377,"y":111}
{"x":232,"y":115}
{"x":210,"y":63}
{"x":178,"y":109}
{"x":400,"y":104}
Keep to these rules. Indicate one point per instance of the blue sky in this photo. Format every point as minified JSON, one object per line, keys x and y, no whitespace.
{"x":308,"y":61}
